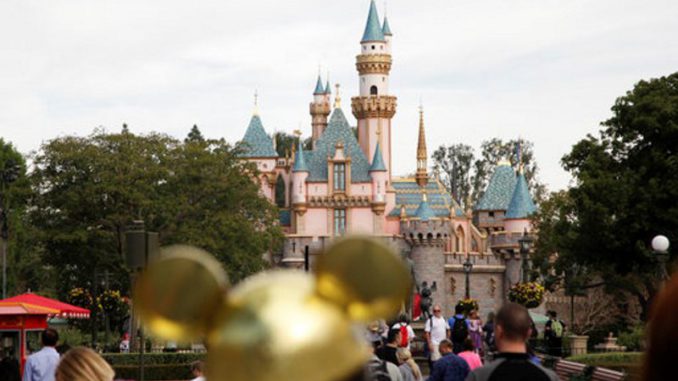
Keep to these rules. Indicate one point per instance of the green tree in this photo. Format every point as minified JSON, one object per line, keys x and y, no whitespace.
{"x":466,"y":176}
{"x":454,"y":164}
{"x":89,"y":189}
{"x":194,"y":135}
{"x":625,"y":193}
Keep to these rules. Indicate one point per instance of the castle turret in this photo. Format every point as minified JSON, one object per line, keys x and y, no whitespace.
{"x":422,"y":170}
{"x":425,"y":234}
{"x":300,"y":173}
{"x":521,"y":207}
{"x":388,"y":36}
{"x":379,"y":177}
{"x":319,"y":109}
{"x":374,"y":108}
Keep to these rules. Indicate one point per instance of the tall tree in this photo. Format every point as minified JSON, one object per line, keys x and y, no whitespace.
{"x":194,"y":135}
{"x":89,"y":189}
{"x":467,"y":176}
{"x":625,"y":192}
{"x":453,"y":163}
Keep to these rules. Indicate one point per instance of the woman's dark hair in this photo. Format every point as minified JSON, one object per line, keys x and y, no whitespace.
{"x":468,"y":344}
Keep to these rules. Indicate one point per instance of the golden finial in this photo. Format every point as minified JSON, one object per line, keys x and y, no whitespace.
{"x":337,"y":98}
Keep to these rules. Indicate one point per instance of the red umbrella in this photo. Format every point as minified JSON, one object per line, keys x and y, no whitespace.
{"x":65,"y":310}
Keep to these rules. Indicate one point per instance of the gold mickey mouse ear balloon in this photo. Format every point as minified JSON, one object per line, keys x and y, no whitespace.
{"x":363,"y":276}
{"x":178,"y":294}
{"x":276,"y":325}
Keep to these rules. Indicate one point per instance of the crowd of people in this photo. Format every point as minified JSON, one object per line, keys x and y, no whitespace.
{"x":456,"y":347}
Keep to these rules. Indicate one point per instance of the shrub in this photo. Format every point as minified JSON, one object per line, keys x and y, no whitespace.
{"x":633,"y":340}
{"x":157,"y":366}
{"x":627,"y":362}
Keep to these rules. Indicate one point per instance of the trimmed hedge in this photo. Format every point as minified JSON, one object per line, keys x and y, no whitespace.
{"x":627,"y":362}
{"x":157,"y":366}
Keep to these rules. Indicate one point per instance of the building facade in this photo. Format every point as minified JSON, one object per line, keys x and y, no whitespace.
{"x":344,"y":185}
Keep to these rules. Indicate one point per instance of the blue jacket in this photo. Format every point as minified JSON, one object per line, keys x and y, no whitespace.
{"x":450,"y":368}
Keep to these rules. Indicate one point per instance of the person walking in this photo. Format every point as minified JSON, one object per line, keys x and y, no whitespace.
{"x":450,"y":367}
{"x":41,"y":365}
{"x":476,"y":330}
{"x":409,"y":368}
{"x":512,"y":363}
{"x":436,"y":330}
{"x":406,"y":332}
{"x":470,"y":355}
{"x":388,"y":351}
{"x":83,"y":364}
{"x":553,"y":333}
{"x":460,"y":328}
{"x":488,"y":330}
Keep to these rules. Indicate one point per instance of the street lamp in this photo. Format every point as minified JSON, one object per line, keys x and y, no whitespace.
{"x":660,"y":246}
{"x":525,"y":243}
{"x":142,"y":248}
{"x":468,"y":267}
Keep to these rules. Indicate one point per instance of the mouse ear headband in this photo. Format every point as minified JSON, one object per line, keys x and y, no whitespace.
{"x":280,"y":324}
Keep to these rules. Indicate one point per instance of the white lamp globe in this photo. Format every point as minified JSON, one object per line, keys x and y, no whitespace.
{"x":660,"y":244}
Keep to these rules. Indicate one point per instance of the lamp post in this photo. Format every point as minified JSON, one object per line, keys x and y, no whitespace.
{"x":468,"y":267}
{"x":660,"y":247}
{"x":525,"y":243}
{"x":142,"y":247}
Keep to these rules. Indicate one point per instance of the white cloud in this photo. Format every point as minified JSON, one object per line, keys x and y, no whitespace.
{"x":545,"y":70}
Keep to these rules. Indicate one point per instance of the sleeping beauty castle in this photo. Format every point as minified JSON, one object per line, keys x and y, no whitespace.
{"x":344,"y":185}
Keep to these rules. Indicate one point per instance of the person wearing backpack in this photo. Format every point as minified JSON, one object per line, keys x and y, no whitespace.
{"x":381,"y":370}
{"x":406,"y":332}
{"x":460,"y":329}
{"x":553,"y":333}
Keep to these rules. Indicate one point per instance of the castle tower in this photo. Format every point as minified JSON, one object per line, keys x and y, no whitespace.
{"x":300,"y":173}
{"x":424,"y":233}
{"x":319,"y":109}
{"x":374,"y":108}
{"x":422,"y":170}
{"x":379,"y":177}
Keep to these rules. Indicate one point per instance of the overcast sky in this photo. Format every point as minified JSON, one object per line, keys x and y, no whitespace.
{"x":545,"y":70}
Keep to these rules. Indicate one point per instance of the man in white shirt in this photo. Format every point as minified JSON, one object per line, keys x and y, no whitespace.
{"x":435,"y":331}
{"x":41,"y":365}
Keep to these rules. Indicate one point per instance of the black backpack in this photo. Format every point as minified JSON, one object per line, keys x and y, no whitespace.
{"x":377,"y":370}
{"x":459,"y":330}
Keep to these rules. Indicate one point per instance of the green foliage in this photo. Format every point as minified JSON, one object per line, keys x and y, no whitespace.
{"x":633,"y":340}
{"x":194,"y":136}
{"x":626,"y":184}
{"x":195,"y":192}
{"x":627,"y":362}
{"x":116,"y":359}
{"x":466,"y":176}
{"x":468,"y":305}
{"x":280,"y":192}
{"x":154,"y":372}
{"x":284,"y":143}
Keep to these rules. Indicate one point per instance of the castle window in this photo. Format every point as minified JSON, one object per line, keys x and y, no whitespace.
{"x":491,"y":214}
{"x":373,"y":90}
{"x":339,"y":177}
{"x":372,"y":47}
{"x":339,"y":221}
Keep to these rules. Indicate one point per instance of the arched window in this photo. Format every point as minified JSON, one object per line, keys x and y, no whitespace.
{"x":461,"y":242}
{"x":280,"y":192}
{"x":373,"y":90}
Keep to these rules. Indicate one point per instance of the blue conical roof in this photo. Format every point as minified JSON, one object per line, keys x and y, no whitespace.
{"x":499,"y":190}
{"x":378,"y":160}
{"x":256,"y":142}
{"x":319,"y":87}
{"x":328,"y":90}
{"x":386,"y":29}
{"x":424,"y":211}
{"x":299,"y":161}
{"x":373,"y":30}
{"x":521,"y":205}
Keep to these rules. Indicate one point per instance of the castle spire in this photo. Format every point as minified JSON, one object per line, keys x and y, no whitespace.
{"x":373,"y":31}
{"x":422,"y":172}
{"x":256,"y":103}
{"x":319,"y":86}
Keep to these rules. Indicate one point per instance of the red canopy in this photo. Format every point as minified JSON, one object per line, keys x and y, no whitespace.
{"x":65,"y":310}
